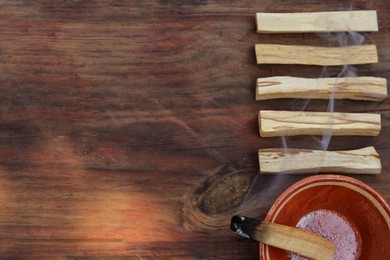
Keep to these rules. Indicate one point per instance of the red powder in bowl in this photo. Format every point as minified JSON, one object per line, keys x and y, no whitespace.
{"x":336,"y":229}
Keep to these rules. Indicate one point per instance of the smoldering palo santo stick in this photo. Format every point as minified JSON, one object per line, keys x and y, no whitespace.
{"x":291,"y":123}
{"x":342,"y":21}
{"x":357,"y":88}
{"x":312,"y":55}
{"x":289,"y":238}
{"x":279,"y":160}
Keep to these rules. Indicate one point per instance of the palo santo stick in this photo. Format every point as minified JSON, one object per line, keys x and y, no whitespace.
{"x":293,"y":239}
{"x":358,"y":88}
{"x":291,"y":123}
{"x":311,"y":55}
{"x":279,"y":160}
{"x":358,"y":21}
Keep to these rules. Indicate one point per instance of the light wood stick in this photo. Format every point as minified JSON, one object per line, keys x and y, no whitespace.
{"x":358,"y":21}
{"x":285,"y":237}
{"x":279,"y":160}
{"x":358,"y":88}
{"x":311,"y":55}
{"x":291,"y":123}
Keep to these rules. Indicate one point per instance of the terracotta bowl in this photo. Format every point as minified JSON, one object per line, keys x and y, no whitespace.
{"x":366,"y":212}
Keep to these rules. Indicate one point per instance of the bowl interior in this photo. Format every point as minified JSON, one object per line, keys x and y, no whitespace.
{"x":359,"y":204}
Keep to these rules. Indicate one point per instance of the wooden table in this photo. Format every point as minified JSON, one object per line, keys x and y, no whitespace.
{"x":129,"y":128}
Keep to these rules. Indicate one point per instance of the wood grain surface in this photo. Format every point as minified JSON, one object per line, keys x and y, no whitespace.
{"x":128,"y":129}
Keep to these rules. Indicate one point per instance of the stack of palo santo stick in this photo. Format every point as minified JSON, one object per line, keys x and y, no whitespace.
{"x":273,"y":123}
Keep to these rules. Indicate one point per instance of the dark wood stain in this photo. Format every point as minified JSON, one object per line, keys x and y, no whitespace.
{"x":224,"y":193}
{"x":129,"y":128}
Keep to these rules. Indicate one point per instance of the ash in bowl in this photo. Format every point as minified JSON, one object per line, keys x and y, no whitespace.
{"x":336,"y":229}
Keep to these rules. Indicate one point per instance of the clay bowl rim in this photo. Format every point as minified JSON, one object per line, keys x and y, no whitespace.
{"x":331,"y":179}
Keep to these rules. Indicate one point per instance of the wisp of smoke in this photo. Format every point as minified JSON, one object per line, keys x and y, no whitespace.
{"x":262,"y":186}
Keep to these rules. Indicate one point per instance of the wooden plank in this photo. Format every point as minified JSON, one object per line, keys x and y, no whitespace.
{"x":279,"y":160}
{"x":342,"y":21}
{"x":127,"y":126}
{"x":312,"y":55}
{"x":291,"y":123}
{"x":357,"y":88}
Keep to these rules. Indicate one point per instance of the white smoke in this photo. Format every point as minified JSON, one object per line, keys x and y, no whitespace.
{"x":259,"y":194}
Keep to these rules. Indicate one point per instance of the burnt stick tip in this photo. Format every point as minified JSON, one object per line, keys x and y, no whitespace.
{"x":244,"y":226}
